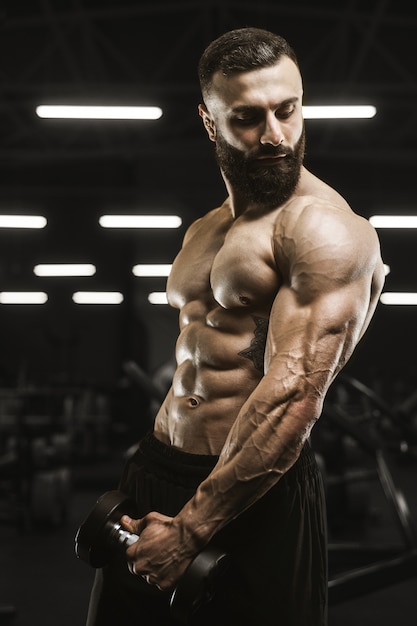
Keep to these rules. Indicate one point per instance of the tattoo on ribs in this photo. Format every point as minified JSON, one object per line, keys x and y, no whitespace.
{"x":256,"y":350}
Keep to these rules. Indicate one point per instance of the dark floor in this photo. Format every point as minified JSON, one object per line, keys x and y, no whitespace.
{"x":49,"y":586}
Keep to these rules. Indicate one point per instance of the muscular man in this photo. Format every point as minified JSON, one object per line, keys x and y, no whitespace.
{"x":274,"y":290}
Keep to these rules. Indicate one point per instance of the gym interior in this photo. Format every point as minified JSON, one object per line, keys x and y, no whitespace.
{"x":80,"y":383}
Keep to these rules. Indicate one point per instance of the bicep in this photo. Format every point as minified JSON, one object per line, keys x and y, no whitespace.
{"x":328,"y":295}
{"x":314,"y":340}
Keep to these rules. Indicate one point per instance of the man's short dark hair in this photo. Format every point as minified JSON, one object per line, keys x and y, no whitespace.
{"x":241,"y":50}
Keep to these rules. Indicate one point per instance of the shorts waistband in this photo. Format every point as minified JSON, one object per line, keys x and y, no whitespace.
{"x":157,"y":448}
{"x":158,"y":455}
{"x":172,"y":463}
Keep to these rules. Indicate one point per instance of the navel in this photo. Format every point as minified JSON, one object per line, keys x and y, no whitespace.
{"x":193,"y":402}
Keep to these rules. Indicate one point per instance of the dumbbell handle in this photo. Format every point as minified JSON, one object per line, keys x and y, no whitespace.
{"x":123,"y":537}
{"x":196,"y":585}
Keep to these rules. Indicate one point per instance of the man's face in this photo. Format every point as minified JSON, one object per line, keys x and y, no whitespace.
{"x":255,"y":119}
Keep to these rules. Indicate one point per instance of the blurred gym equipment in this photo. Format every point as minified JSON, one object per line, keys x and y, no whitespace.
{"x":376,"y":430}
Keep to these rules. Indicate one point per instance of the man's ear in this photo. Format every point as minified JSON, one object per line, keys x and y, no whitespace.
{"x":209,"y":124}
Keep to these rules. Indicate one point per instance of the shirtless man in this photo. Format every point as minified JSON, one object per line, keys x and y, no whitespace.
{"x":274,"y":290}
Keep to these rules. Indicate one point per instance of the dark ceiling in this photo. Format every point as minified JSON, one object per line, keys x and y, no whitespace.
{"x":131,"y":52}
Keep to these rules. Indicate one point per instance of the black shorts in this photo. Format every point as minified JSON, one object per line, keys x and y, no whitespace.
{"x":278,"y":548}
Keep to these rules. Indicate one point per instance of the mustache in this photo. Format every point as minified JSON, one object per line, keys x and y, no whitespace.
{"x":269,"y":151}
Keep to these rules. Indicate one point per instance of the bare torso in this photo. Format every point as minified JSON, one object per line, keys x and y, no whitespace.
{"x":224,"y":282}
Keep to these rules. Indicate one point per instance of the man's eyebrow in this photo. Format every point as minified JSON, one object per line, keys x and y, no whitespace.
{"x":243,"y":108}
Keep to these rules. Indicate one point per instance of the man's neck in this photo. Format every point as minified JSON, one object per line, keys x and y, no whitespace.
{"x":239,"y":204}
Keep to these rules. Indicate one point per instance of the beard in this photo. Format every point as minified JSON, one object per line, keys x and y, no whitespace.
{"x":264,"y":186}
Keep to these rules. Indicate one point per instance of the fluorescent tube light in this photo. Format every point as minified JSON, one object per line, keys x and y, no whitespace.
{"x":103,"y":112}
{"x":64,"y":269}
{"x":151,"y":270}
{"x":97,"y":297}
{"x":158,"y":297}
{"x":394,"y":221}
{"x":99,"y":112}
{"x":22,"y":221}
{"x":338,"y":112}
{"x":140,"y":221}
{"x":23,"y":297}
{"x":390,"y":297}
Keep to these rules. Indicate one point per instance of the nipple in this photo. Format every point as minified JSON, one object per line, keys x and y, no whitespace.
{"x":244,"y":300}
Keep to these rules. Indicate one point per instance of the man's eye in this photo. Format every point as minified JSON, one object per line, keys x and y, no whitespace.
{"x":285,"y":113}
{"x":246,"y":121}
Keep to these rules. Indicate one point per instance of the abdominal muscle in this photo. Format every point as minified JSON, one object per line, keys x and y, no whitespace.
{"x":211,"y":383}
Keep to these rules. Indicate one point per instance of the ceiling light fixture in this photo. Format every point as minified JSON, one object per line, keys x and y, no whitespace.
{"x":22,"y":221}
{"x":23,"y":297}
{"x":102,"y":112}
{"x":99,"y":112}
{"x":338,"y":112}
{"x":64,"y":269}
{"x":158,"y":297}
{"x":97,"y":297}
{"x":152,"y":270}
{"x":394,"y":221}
{"x":390,"y":297}
{"x":140,"y":221}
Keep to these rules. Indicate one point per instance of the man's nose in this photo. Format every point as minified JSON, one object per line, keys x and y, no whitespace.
{"x":272,"y":132}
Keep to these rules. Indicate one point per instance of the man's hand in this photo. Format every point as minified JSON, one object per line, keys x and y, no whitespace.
{"x":161,"y":554}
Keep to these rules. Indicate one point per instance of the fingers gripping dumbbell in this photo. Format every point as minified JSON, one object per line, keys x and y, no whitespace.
{"x":101,"y":534}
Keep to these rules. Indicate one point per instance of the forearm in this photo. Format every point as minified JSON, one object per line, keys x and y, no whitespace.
{"x":262,"y":445}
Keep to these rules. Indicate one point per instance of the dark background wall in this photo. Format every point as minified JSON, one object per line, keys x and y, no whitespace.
{"x":72,"y":172}
{"x":68,"y":412}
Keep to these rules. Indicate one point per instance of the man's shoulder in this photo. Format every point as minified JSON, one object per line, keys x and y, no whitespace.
{"x":321,"y":212}
{"x":215,"y":221}
{"x":313,"y":222}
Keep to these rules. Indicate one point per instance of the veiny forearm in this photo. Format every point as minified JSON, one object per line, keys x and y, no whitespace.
{"x":263,"y":444}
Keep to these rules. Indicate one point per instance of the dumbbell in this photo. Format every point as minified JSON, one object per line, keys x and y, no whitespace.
{"x":101,"y":534}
